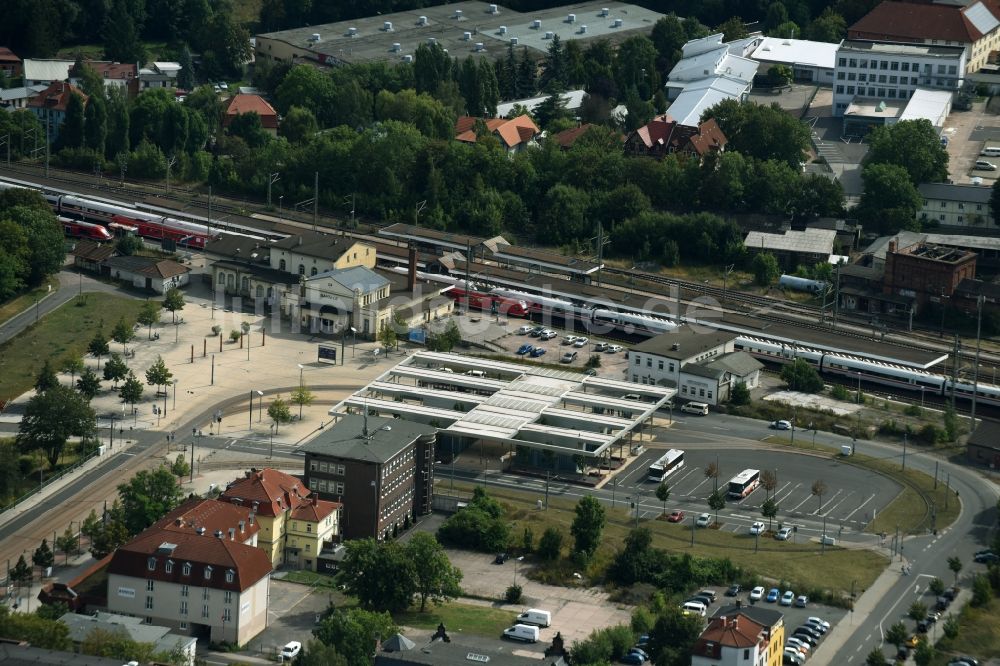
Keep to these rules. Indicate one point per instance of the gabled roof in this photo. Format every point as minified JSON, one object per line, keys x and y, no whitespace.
{"x":211,"y":559}
{"x":269,"y":492}
{"x":511,"y":132}
{"x":353,"y":279}
{"x":210,"y":516}
{"x":6,"y":55}
{"x":987,"y":434}
{"x":567,"y":138}
{"x":765,"y":617}
{"x":240,"y":104}
{"x":687,"y":341}
{"x":737,"y":631}
{"x":148,"y":266}
{"x":239,"y":247}
{"x":920,"y":22}
{"x":56,"y":96}
{"x":92,"y":251}
{"x":46,"y":70}
{"x":315,"y":244}
{"x":949,"y":192}
{"x":738,"y":363}
{"x":113,"y":70}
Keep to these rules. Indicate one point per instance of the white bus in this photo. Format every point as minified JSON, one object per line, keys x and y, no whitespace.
{"x":744,"y":483}
{"x":670,"y":461}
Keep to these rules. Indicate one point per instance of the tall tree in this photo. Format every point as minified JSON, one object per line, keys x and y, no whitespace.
{"x":71,"y":132}
{"x":117,"y":140}
{"x":554,"y":74}
{"x":96,"y":127}
{"x":121,"y":36}
{"x":302,"y":396}
{"x":89,"y":385}
{"x":913,"y":145}
{"x":186,"y":77}
{"x":379,"y":574}
{"x":131,"y":389}
{"x":122,"y":333}
{"x":51,"y":418}
{"x":527,"y":75}
{"x":149,"y":314}
{"x":115,"y":370}
{"x":43,"y":557}
{"x":46,"y":377}
{"x":435,"y":578}
{"x":110,"y":533}
{"x":158,"y":374}
{"x":588,"y":524}
{"x":279,"y":412}
{"x":45,"y":238}
{"x":353,"y":632}
{"x":663,"y":494}
{"x":173,"y":301}
{"x":147,"y":497}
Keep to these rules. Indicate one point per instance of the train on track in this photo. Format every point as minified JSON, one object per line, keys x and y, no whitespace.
{"x":154,"y":225}
{"x":158,"y":223}
{"x":81,"y":229}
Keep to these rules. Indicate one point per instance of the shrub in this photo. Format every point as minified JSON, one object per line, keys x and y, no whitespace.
{"x":981,"y":591}
{"x":234,"y":335}
{"x":216,"y":330}
{"x":931,"y":434}
{"x":840,"y":393}
{"x":913,"y":410}
{"x":513,"y":594}
{"x":550,"y":545}
{"x":937,"y":587}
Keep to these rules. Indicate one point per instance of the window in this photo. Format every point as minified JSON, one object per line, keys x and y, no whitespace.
{"x":942,"y":69}
{"x":308,"y":547}
{"x":961,"y":218}
{"x":746,"y":653}
{"x":336,"y":488}
{"x":892,"y":92}
{"x":309,"y":527}
{"x":313,"y":271}
{"x":660,"y":366}
{"x":649,"y":362}
{"x":906,"y":66}
{"x":952,"y":70}
{"x":841,"y":62}
{"x":149,"y":603}
{"x":184,"y":590}
{"x":184,"y":625}
{"x":313,"y":465}
{"x":151,"y":564}
{"x":313,"y":484}
{"x":635,"y":378}
{"x":852,"y":76}
{"x":149,"y":586}
{"x":281,"y":265}
{"x":260,"y":291}
{"x":881,"y":92}
{"x":184,"y":607}
{"x":229,"y":597}
{"x":222,"y":278}
{"x":302,"y":269}
{"x":323,"y":467}
{"x":894,"y":66}
{"x":204,"y":610}
{"x":208,"y":572}
{"x":840,"y":90}
{"x":862,"y":64}
{"x":881,"y":78}
{"x":637,"y":360}
{"x":230,"y":575}
{"x":883,"y":64}
{"x":204,"y":594}
{"x":961,"y":206}
{"x":227,"y":615}
{"x":853,"y":62}
{"x":893,"y":79}
{"x":186,"y":569}
{"x":840,"y":76}
{"x":862,"y":77}
{"x":850,"y":90}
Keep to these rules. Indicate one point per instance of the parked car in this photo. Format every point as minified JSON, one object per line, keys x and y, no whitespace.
{"x":942,"y":603}
{"x":756,"y":593}
{"x":524,"y":330}
{"x":639,"y":651}
{"x":734,"y":590}
{"x":781,"y":425}
{"x":903,"y":653}
{"x":521,"y":632}
{"x":580,"y":342}
{"x":568,"y":357}
{"x":632,"y":658}
{"x":801,"y":601}
{"x":816,"y":624}
{"x":548,"y":334}
{"x":700,"y":599}
{"x":614,"y":349}
{"x":601,"y":346}
{"x":525,"y":349}
{"x":711,"y":594}
{"x":501,"y":558}
{"x":792,"y":658}
{"x":986,"y":558}
{"x":536,"y":332}
{"x":951,"y":593}
{"x":820,"y":621}
{"x":801,"y":646}
{"x":537,"y":351}
{"x":805,"y":637}
{"x":704,"y":520}
{"x":291,"y":650}
{"x":809,"y":631}
{"x":773,"y":594}
{"x":757,"y":528}
{"x":568,"y":339}
{"x":787,"y":598}
{"x":983,"y":165}
{"x":783,"y":534}
{"x":675,"y":517}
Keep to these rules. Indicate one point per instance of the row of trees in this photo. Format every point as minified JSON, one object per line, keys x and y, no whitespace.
{"x":31,"y":241}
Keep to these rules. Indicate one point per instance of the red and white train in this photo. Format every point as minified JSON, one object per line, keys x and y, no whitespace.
{"x":80,"y":229}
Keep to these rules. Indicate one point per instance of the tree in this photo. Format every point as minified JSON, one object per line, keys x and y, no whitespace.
{"x":173,"y":301}
{"x":186,"y":76}
{"x":248,"y":127}
{"x":379,"y":574}
{"x":149,"y":314}
{"x":672,"y":636}
{"x":818,"y":489}
{"x":663,"y":494}
{"x":43,"y":557}
{"x":96,"y":125}
{"x":890,"y":200}
{"x":800,"y":376}
{"x":121,"y":36}
{"x":550,"y":545}
{"x":278,"y":412}
{"x":924,"y":653}
{"x":21,"y":572}
{"x":435,"y":577}
{"x":147,"y":497}
{"x":353,"y":632}
{"x":765,"y":269}
{"x":110,"y":534}
{"x":180,"y":467}
{"x":122,"y":333}
{"x":158,"y":374}
{"x":73,"y":365}
{"x":301,"y":396}
{"x":131,"y":389}
{"x":98,"y":346}
{"x":71,"y":132}
{"x":739,"y":394}
{"x":89,"y":385}
{"x":91,"y":525}
{"x":587,"y":525}
{"x":46,"y":378}
{"x":115,"y":643}
{"x":936,"y":586}
{"x":876,"y":658}
{"x":917,"y":611}
{"x":298,"y":125}
{"x":68,"y":543}
{"x":318,"y":654}
{"x":387,"y":336}
{"x":769,"y":509}
{"x":764,"y":132}
{"x":716,"y":502}
{"x":768,"y":481}
{"x":896,"y":634}
{"x":732,"y":29}
{"x":827,"y":27}
{"x":955,"y":566}
{"x":951,"y":627}
{"x":913,"y":145}
{"x":711,"y":471}
{"x":51,"y":418}
{"x":115,"y":370}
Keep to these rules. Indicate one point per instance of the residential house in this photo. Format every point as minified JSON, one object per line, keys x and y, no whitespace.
{"x":983,"y":446}
{"x":10,"y":64}
{"x":956,"y":205}
{"x":662,"y":136}
{"x":45,"y":71}
{"x":514,"y":134}
{"x":296,"y":527}
{"x":13,"y":99}
{"x":197,"y":571}
{"x":115,"y":75}
{"x":773,"y":622}
{"x":708,"y":72}
{"x":732,"y":641}
{"x":381,"y":469}
{"x":50,"y":106}
{"x":158,"y":275}
{"x":241,"y":104}
{"x":159,"y":75}
{"x":888,"y":74}
{"x":161,"y":638}
{"x":972,"y":25}
{"x":340,"y":300}
{"x":568,"y":137}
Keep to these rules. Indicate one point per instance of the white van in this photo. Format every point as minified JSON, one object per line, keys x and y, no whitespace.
{"x":985,"y":166}
{"x":521,"y":632}
{"x":535,"y":616}
{"x":699,"y":408}
{"x":694,"y":608}
{"x":990,"y":151}
{"x":475,"y":373}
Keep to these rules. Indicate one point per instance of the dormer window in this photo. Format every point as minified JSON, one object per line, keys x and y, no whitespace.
{"x":170,"y":566}
{"x":230,"y":574}
{"x":151,"y":564}
{"x":186,"y":569}
{"x":208,"y":572}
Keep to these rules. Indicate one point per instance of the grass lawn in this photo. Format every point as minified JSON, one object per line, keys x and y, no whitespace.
{"x":796,"y":563}
{"x":59,"y":335}
{"x":311,"y":579}
{"x":978,"y":634}
{"x":21,"y":303}
{"x":459,"y":618}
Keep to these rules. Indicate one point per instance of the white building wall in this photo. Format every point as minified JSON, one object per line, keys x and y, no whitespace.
{"x":949,"y":212}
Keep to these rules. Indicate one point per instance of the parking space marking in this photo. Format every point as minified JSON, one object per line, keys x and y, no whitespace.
{"x":789,"y":493}
{"x":828,"y":509}
{"x":796,"y":507}
{"x":860,"y":506}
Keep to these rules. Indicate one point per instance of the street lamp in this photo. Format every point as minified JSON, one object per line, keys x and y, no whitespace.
{"x":301,"y":368}
{"x":194,"y":439}
{"x":270,"y":453}
{"x":260,"y":406}
{"x":175,"y":395}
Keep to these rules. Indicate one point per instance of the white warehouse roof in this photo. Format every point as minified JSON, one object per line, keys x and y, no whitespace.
{"x":930,"y":104}
{"x":797,"y":52}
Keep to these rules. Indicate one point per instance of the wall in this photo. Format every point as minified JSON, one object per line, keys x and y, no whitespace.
{"x":957,"y":213}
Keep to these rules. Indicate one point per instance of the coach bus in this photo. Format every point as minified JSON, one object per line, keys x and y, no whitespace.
{"x":744,"y":483}
{"x":669,"y":462}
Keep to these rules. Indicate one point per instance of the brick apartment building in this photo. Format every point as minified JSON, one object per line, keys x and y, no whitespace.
{"x":926,"y":273}
{"x":380,"y":469}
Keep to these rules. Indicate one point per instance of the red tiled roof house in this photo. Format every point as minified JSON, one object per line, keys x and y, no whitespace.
{"x":241,"y":104}
{"x":514,"y":134}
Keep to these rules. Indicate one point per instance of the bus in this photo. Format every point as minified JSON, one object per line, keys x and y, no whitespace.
{"x":744,"y":483}
{"x":669,"y":462}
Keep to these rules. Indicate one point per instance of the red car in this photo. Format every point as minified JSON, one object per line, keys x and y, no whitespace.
{"x":675,"y":516}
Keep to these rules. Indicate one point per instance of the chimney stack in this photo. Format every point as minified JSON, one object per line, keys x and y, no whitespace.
{"x":411,"y":271}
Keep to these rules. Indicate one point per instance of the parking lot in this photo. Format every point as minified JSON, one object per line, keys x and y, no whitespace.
{"x":967,"y":133}
{"x":612,"y":362}
{"x":853,"y":495}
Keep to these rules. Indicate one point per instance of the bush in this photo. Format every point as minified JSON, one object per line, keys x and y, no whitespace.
{"x":513,"y":594}
{"x":479,"y":526}
{"x":550,"y":545}
{"x":937,"y":587}
{"x":739,"y":395}
{"x":931,"y":434}
{"x":801,"y":376}
{"x":913,"y":410}
{"x":593,"y":362}
{"x":981,"y":591}
{"x":216,"y":330}
{"x":147,"y":161}
{"x":840,"y":393}
{"x":234,"y":335}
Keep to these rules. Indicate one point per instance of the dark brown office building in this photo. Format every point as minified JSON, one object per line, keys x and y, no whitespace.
{"x":381,"y":469}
